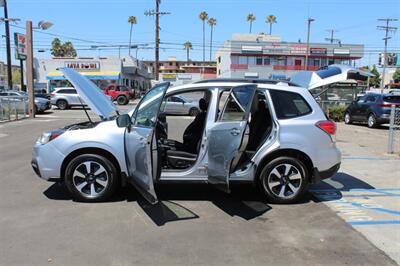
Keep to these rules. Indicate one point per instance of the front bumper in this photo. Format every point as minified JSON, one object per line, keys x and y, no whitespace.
{"x":320,"y":175}
{"x":47,"y":161}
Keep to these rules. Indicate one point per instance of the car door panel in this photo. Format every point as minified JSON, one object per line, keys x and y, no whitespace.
{"x":228,"y":137}
{"x":141,"y":153}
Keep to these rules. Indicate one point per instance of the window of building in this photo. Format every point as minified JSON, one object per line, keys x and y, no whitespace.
{"x":259,"y":61}
{"x":289,"y":104}
{"x":267,"y":61}
{"x":219,"y":59}
{"x":251,"y":60}
{"x":243,"y":60}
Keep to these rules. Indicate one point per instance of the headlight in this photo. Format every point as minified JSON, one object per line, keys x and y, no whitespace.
{"x":49,"y":136}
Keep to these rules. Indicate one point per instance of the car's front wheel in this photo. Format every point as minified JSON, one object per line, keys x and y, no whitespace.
{"x":284,"y":180}
{"x":91,"y":178}
{"x":347,"y":118}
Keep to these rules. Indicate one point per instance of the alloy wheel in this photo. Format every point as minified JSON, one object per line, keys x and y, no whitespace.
{"x":371,"y":121}
{"x":284,"y":181}
{"x":90,"y":178}
{"x":347,"y":118}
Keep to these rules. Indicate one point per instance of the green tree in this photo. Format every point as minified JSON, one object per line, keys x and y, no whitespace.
{"x":250,"y":19}
{"x":131,"y":20}
{"x":58,"y":49}
{"x":271,"y":19}
{"x":211,"y":22}
{"x":396,"y":75}
{"x":203,"y":17}
{"x":375,"y":81}
{"x":16,"y":76}
{"x":187,"y":46}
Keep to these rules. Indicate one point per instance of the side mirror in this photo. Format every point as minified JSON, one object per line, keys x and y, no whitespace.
{"x":124,"y":120}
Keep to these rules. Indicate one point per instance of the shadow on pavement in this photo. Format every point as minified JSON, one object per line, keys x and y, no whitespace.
{"x":332,"y":188}
{"x":244,"y":201}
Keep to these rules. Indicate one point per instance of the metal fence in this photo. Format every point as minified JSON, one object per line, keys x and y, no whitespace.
{"x":13,"y":108}
{"x":394,"y":130}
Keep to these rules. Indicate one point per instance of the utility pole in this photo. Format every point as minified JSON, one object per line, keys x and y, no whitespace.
{"x":331,"y":39}
{"x":386,"y":28}
{"x":29,"y":69}
{"x":309,"y":20}
{"x":8,"y":47}
{"x":157,"y":14}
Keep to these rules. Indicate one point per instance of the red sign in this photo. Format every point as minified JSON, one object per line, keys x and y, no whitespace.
{"x":83,"y":65}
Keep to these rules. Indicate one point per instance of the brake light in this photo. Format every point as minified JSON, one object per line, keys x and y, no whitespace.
{"x":328,"y":126}
{"x":52,"y":94}
{"x":388,"y":104}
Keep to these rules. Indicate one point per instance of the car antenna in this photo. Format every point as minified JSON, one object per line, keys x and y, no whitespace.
{"x":84,"y":109}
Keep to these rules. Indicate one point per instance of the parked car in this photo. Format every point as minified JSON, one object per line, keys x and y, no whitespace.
{"x":66,"y":97}
{"x":372,"y":108}
{"x":118,"y":93}
{"x":178,"y":105}
{"x":286,"y":145}
{"x":41,"y":104}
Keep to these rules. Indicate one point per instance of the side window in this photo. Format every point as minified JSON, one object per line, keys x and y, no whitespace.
{"x":71,"y":91}
{"x":238,"y":102}
{"x":362,"y":99}
{"x":370,"y":99}
{"x":61,"y":91}
{"x":289,"y":104}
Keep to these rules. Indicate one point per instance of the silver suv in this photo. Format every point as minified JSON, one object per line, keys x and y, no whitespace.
{"x":271,"y":133}
{"x":65,"y":97}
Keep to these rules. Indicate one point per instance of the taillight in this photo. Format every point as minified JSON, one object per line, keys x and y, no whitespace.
{"x":388,"y":104}
{"x":328,"y":126}
{"x":52,"y":94}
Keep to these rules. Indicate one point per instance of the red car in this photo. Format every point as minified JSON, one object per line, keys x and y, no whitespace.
{"x":119,"y":93}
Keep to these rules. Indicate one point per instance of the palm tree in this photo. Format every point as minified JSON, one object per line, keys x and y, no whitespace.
{"x":187,"y":46}
{"x":204,"y":16}
{"x":271,"y":19}
{"x":251,"y":18}
{"x":212,"y":22}
{"x":131,"y":20}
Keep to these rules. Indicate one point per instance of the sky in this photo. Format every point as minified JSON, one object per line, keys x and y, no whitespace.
{"x":88,"y":23}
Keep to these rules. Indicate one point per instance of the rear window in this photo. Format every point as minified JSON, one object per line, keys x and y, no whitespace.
{"x":289,"y":104}
{"x":328,"y":72}
{"x":392,"y":99}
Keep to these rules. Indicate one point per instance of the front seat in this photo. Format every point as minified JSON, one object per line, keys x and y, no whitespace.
{"x":194,"y":131}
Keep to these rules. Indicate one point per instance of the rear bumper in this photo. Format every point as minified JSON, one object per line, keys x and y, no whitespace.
{"x":320,"y":175}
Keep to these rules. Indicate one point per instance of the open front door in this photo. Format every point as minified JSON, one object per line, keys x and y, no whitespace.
{"x":229,"y":135}
{"x":141,"y":144}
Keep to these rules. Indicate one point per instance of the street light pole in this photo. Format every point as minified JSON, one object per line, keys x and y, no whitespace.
{"x":8,"y":47}
{"x":29,"y":69}
{"x":308,"y":41}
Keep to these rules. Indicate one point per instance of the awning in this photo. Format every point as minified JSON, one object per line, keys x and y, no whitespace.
{"x":99,"y":75}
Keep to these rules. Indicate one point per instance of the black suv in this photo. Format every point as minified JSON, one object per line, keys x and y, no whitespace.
{"x":372,"y":108}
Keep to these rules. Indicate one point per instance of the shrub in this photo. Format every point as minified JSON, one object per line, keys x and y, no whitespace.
{"x":336,"y":113}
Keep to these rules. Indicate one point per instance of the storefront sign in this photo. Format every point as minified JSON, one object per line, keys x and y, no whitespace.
{"x":252,"y":49}
{"x":184,"y":76}
{"x":318,"y":51}
{"x":83,"y":65}
{"x":20,"y":46}
{"x":341,"y":51}
{"x":298,"y":48}
{"x":276,"y":48}
{"x":169,"y":77}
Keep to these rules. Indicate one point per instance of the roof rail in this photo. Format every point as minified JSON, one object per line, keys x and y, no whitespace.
{"x":245,"y":80}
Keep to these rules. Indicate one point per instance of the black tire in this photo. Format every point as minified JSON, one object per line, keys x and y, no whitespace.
{"x":193,"y":111}
{"x":347,"y":118}
{"x":271,"y":184}
{"x":62,"y":104}
{"x":371,"y":121}
{"x":122,"y":100}
{"x":105,"y":183}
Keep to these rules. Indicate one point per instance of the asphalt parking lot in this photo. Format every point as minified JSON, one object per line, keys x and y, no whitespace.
{"x":40,"y":224}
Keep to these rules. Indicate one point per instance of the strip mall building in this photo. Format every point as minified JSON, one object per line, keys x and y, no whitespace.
{"x":101,"y":70}
{"x":266,"y":56}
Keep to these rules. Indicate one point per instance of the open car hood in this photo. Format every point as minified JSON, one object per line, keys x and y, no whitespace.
{"x":329,"y":75}
{"x":90,"y":94}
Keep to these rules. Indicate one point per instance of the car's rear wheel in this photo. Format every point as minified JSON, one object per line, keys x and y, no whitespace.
{"x":62,"y":104}
{"x":371,"y":122}
{"x":347,"y":118}
{"x":91,"y":178}
{"x":193,"y":111}
{"x":284,"y":180}
{"x":122,"y":100}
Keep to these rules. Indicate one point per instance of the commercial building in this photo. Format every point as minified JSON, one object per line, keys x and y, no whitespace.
{"x":182,"y":72}
{"x":101,"y":70}
{"x":3,"y":75}
{"x":266,"y":56}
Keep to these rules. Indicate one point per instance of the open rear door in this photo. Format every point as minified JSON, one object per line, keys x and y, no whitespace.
{"x":141,"y":144}
{"x":228,"y":137}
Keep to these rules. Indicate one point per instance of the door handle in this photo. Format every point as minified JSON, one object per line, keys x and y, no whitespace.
{"x":235,"y":131}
